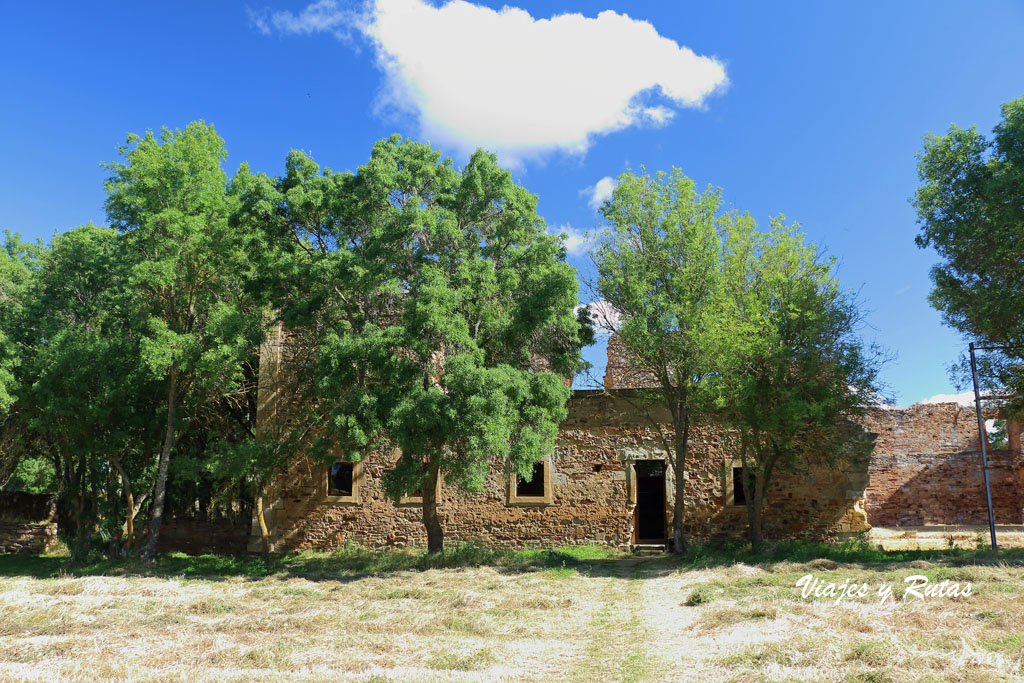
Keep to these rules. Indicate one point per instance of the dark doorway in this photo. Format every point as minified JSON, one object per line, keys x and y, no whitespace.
{"x":650,"y":500}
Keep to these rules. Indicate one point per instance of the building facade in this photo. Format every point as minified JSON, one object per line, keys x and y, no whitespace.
{"x":608,"y":481}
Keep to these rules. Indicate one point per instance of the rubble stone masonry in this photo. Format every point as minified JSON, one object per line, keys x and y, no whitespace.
{"x":593,"y":494}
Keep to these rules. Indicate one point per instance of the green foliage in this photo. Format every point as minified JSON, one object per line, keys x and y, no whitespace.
{"x":662,"y":269}
{"x":733,"y":324}
{"x":83,"y":401}
{"x":344,"y":561}
{"x":433,"y":312}
{"x":185,"y":263}
{"x":970,"y":206}
{"x":797,"y":379}
{"x":17,"y":266}
{"x":700,"y":595}
{"x":33,"y":474}
{"x":999,"y":436}
{"x":187,"y":267}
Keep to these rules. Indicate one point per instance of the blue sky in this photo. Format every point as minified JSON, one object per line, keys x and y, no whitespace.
{"x":813,"y":110}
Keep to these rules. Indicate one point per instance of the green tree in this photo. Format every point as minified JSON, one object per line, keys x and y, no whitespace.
{"x":795,"y":382}
{"x":17,"y":267}
{"x":84,"y":400}
{"x":970,"y":206}
{"x":661,"y":269}
{"x":187,"y":270}
{"x":440,"y":312}
{"x":17,"y":264}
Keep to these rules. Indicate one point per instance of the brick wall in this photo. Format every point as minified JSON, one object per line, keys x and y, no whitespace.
{"x":926,"y":469}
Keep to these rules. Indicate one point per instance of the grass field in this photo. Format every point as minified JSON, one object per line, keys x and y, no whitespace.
{"x":582,"y":614}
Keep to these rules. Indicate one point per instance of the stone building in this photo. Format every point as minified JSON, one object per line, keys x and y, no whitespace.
{"x":607,"y":481}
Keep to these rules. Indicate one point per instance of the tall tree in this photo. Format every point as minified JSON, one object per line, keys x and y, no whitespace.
{"x":970,"y":206}
{"x":660,"y":269}
{"x":793,"y":383}
{"x":85,"y":399}
{"x":17,"y":265}
{"x":443,"y":313}
{"x":18,"y":261}
{"x":188,"y":267}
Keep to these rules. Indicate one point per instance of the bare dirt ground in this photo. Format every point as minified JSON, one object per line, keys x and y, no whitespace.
{"x":633,"y":619}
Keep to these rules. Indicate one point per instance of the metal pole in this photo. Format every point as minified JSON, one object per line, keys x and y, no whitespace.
{"x":984,"y":451}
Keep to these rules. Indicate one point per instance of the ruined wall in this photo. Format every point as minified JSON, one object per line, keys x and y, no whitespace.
{"x":820,"y":503}
{"x":926,"y":469}
{"x":592,"y":500}
{"x":587,"y":506}
{"x":620,"y":373}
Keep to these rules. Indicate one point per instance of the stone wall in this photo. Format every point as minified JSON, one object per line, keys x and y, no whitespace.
{"x":926,"y":469}
{"x":27,"y":522}
{"x":592,"y":501}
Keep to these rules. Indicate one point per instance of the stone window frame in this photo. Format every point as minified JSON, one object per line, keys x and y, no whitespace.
{"x":548,"y":498}
{"x":357,"y":483}
{"x":417,"y":500}
{"x":727,"y":483}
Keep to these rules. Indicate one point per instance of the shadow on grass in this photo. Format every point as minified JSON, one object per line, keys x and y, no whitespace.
{"x":347,"y":563}
{"x":354,"y":562}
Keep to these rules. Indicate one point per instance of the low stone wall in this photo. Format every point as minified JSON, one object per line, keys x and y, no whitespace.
{"x":27,"y":537}
{"x":27,"y":522}
{"x":926,"y":469}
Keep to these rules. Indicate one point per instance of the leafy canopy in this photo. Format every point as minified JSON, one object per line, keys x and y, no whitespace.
{"x":437,"y":312}
{"x":970,"y":206}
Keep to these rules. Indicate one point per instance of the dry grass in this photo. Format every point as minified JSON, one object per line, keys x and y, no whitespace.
{"x":631,"y":619}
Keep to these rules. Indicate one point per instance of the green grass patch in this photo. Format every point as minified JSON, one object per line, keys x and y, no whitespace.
{"x":701,"y":595}
{"x":1012,"y":644}
{"x":451,"y":661}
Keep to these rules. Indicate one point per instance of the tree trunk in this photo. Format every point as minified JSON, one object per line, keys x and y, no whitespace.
{"x":435,"y":534}
{"x":754,"y":507}
{"x":264,"y":532}
{"x":161,"y":480}
{"x":130,"y":522}
{"x":126,"y":486}
{"x":682,"y":435}
{"x":760,"y":478}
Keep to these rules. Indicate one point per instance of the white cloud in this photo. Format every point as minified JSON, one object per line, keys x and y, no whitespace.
{"x":964,"y":398}
{"x":600,"y":192}
{"x":577,"y":242}
{"x":520,"y":86}
{"x":323,"y":16}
